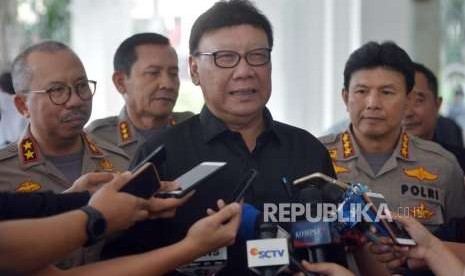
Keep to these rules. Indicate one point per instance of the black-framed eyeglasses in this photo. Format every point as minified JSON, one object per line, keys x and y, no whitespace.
{"x":230,"y":59}
{"x":60,"y":94}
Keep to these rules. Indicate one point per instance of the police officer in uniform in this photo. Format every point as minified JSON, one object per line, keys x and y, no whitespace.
{"x":417,"y":177}
{"x":146,"y":75}
{"x":54,"y":94}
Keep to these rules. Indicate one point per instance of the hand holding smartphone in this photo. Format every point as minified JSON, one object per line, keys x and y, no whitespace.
{"x":191,"y":179}
{"x":144,"y":182}
{"x":243,"y":186}
{"x":394,"y":229}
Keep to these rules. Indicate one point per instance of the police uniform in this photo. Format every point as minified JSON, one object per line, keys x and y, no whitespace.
{"x":120,"y":131}
{"x":420,"y":178}
{"x":24,"y":168}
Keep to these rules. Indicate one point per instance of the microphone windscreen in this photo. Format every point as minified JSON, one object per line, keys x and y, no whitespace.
{"x":310,"y":194}
{"x":332,"y":193}
{"x":249,"y":217}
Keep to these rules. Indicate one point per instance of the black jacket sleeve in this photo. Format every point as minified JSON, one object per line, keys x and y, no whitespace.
{"x":39,"y":204}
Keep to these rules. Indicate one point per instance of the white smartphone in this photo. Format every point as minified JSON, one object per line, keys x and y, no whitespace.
{"x":395,"y":230}
{"x":189,"y":180}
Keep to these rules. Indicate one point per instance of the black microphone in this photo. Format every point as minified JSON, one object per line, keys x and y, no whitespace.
{"x":267,"y":230}
{"x":312,"y":236}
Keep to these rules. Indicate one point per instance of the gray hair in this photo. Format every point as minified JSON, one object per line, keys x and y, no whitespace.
{"x":21,"y":71}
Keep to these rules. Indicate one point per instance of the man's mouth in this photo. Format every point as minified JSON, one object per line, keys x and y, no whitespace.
{"x":74,"y":117}
{"x":243,"y":92}
{"x":372,"y":118}
{"x":165,"y":99}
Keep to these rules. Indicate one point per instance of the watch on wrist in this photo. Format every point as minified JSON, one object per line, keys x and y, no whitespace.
{"x":96,"y":225}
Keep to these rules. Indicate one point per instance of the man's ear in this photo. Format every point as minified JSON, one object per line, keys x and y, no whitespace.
{"x":194,"y":70}
{"x":438,"y":103}
{"x":21,"y":105}
{"x":345,"y":96}
{"x":119,"y":81}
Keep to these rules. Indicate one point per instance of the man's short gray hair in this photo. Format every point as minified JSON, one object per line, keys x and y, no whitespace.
{"x":21,"y":71}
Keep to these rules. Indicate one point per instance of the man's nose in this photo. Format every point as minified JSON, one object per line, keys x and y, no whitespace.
{"x":243,"y":70}
{"x":168,"y":82}
{"x":373,"y":100}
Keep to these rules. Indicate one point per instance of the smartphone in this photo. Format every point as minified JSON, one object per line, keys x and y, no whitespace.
{"x":243,"y":186}
{"x":394,"y":229}
{"x":189,"y":180}
{"x":157,"y":157}
{"x":144,"y":182}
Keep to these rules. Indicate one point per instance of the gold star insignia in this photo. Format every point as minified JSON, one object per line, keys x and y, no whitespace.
{"x":29,"y":155}
{"x":27,"y":145}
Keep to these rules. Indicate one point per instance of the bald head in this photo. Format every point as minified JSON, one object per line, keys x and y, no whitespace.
{"x":22,"y":72}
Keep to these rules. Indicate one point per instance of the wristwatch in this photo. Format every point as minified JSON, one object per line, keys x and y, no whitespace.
{"x":96,"y":225}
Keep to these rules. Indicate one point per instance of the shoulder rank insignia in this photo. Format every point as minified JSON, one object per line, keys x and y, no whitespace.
{"x":404,"y":151}
{"x":421,"y":212}
{"x":124,"y":131}
{"x":421,"y":174}
{"x":106,"y":165}
{"x":28,"y":186}
{"x":172,"y":121}
{"x":347,"y":147}
{"x":28,"y":151}
{"x":333,"y":154}
{"x":340,"y":169}
{"x":91,"y":145}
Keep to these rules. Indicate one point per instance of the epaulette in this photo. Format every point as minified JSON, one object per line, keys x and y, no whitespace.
{"x":432,"y":147}
{"x":9,"y":151}
{"x":108,"y":146}
{"x":99,"y":123}
{"x":328,"y":139}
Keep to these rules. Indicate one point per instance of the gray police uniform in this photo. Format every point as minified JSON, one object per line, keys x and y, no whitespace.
{"x":420,"y":178}
{"x":120,"y":131}
{"x":23,"y":168}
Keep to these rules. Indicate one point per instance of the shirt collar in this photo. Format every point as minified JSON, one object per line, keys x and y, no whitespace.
{"x":126,"y":130}
{"x":213,"y":127}
{"x":29,"y":153}
{"x":350,"y":148}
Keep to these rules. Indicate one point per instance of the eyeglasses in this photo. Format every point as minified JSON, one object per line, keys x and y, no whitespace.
{"x":230,"y":59}
{"x":60,"y":94}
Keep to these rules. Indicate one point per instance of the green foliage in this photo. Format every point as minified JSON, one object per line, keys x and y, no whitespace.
{"x":53,"y":20}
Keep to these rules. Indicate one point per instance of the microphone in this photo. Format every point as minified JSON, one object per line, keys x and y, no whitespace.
{"x":252,"y":226}
{"x":209,"y":264}
{"x":312,"y":235}
{"x":266,"y":254}
{"x":213,"y":262}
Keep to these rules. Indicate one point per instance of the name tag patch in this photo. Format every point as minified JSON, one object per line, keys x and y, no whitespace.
{"x":421,"y":191}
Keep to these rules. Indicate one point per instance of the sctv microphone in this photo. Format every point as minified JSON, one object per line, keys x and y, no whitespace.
{"x":266,"y":254}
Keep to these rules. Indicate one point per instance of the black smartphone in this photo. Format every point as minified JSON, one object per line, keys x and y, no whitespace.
{"x":395,"y":230}
{"x":189,"y":180}
{"x":144,"y":182}
{"x":243,"y":186}
{"x":157,"y":157}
